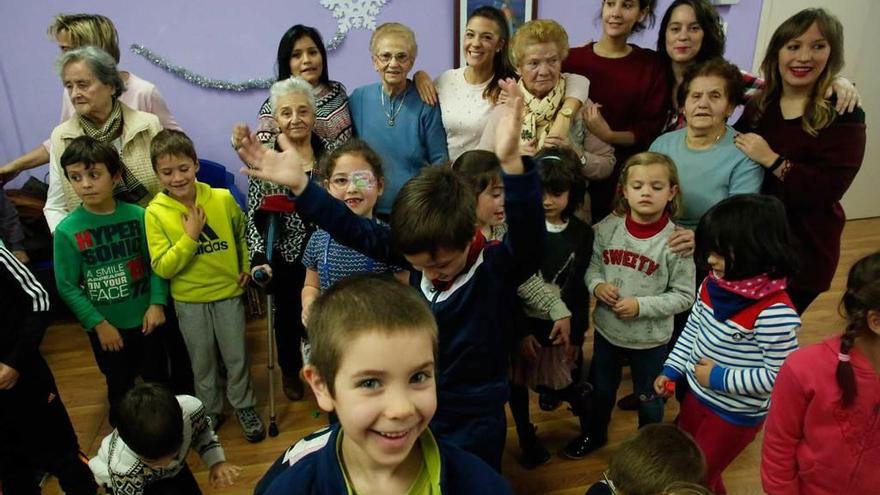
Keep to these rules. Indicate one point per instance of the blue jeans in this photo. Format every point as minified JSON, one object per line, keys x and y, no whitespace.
{"x":605,"y":374}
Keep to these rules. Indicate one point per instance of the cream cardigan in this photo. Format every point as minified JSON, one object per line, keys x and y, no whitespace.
{"x":138,"y":129}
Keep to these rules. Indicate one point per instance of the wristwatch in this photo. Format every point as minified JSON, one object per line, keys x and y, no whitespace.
{"x":566,"y":112}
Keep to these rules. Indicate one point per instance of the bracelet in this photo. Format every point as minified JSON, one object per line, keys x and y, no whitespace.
{"x":776,"y":163}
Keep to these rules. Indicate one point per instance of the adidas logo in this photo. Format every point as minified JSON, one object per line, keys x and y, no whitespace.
{"x":210,"y":242}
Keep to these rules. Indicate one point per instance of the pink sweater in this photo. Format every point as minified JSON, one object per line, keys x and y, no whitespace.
{"x":812,"y":445}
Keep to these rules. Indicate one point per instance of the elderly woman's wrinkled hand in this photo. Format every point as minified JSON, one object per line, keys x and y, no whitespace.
{"x":681,"y":241}
{"x":239,"y":132}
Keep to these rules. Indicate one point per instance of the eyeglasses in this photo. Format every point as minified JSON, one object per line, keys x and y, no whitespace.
{"x":385,"y":58}
{"x":609,"y":482}
{"x":360,"y":179}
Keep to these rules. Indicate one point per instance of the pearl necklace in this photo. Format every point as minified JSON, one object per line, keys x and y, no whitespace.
{"x":392,"y":114}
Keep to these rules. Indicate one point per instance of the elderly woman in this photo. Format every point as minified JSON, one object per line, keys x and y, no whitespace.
{"x":94,"y":86}
{"x":406,"y":132}
{"x":301,"y":53}
{"x":75,"y":30}
{"x":293,"y":103}
{"x":537,"y":50}
{"x":468,"y":94}
{"x":710,"y":166}
{"x":810,"y":151}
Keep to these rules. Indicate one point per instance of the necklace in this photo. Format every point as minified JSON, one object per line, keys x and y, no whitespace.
{"x":687,"y":141}
{"x":392,"y":113}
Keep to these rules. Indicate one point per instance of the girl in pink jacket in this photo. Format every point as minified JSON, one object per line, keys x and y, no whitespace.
{"x":823,"y":431}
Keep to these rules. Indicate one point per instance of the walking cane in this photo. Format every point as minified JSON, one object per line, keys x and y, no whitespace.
{"x":262,"y":278}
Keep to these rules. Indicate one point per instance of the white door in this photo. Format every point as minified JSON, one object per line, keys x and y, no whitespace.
{"x":860,"y":20}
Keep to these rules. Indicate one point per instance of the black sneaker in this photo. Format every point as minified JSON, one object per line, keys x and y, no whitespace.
{"x":533,"y":452}
{"x":581,"y":446}
{"x":293,"y":387}
{"x":251,"y":424}
{"x":629,"y":403}
{"x":548,"y":401}
{"x":216,"y":420}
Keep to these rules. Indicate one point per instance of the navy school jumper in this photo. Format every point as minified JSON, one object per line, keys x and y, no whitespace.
{"x":473,"y":315}
{"x":312,"y":467}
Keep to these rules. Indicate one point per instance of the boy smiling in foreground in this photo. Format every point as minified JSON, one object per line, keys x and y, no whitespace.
{"x":374,"y":346}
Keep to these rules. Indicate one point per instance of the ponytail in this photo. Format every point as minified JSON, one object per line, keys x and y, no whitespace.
{"x":862,"y":295}
{"x":846,"y":378}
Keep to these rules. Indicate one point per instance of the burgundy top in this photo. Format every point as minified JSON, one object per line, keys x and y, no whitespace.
{"x":633,"y":90}
{"x":822,"y":169}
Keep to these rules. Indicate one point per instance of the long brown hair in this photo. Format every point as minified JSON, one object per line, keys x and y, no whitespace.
{"x":500,"y":61}
{"x":862,"y":295}
{"x":819,"y":113}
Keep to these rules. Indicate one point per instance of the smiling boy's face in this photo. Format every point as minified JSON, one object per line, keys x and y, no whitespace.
{"x":385,"y":395}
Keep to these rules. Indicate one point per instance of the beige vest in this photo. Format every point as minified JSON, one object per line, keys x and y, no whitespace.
{"x":138,"y":129}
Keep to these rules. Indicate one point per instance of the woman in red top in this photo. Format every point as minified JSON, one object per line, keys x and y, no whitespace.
{"x":810,"y":152}
{"x":628,"y":85}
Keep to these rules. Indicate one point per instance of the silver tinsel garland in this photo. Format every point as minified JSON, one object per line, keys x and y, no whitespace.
{"x":197,"y":79}
{"x":349,"y":14}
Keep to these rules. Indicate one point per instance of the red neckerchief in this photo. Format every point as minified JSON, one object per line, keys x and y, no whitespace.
{"x":751,"y":288}
{"x":474,"y":251}
{"x":645,"y":230}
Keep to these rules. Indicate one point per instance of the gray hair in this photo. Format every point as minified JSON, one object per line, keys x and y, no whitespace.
{"x":291,"y":85}
{"x":101,"y":63}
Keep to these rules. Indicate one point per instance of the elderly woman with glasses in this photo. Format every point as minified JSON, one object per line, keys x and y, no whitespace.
{"x":406,"y":132}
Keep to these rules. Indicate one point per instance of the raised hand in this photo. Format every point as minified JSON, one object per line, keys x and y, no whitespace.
{"x":285,"y":168}
{"x":507,"y":133}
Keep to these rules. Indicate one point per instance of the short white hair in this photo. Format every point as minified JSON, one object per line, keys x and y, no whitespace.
{"x":291,"y":85}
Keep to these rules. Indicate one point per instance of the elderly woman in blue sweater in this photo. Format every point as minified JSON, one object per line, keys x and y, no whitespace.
{"x":407,"y":133}
{"x":710,"y":166}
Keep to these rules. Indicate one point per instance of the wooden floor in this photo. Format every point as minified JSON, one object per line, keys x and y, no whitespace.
{"x":83,"y":390}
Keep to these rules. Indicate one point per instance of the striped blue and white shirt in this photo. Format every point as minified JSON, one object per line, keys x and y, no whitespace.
{"x":748,"y":349}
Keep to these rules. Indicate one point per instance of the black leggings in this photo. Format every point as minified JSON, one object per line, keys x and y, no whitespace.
{"x":287,"y":285}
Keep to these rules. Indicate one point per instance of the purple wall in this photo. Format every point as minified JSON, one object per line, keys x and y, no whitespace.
{"x":236,"y":41}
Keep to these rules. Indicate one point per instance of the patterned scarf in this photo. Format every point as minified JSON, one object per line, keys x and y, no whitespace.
{"x":729,"y":297}
{"x":129,"y":189}
{"x":538,"y":113}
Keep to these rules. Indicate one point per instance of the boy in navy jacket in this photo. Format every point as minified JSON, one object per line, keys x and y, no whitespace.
{"x":373,"y":362}
{"x":470,"y":284}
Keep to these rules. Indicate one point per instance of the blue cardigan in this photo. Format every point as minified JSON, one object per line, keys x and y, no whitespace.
{"x":416,"y":139}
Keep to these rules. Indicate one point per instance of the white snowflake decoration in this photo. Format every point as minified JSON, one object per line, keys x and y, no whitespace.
{"x":352,"y":14}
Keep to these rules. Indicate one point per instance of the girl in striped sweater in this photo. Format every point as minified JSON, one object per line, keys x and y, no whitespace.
{"x":741,"y":328}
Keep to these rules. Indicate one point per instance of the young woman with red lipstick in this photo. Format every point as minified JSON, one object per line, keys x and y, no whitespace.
{"x":627,"y":84}
{"x":691,"y":33}
{"x":811,"y":153}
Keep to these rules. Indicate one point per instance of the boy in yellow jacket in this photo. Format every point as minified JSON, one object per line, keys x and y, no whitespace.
{"x":196,"y":237}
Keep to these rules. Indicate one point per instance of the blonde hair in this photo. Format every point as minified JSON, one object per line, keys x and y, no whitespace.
{"x":87,"y":29}
{"x":394,"y":29}
{"x":534,"y":32}
{"x":818,"y":113}
{"x":674,"y":207}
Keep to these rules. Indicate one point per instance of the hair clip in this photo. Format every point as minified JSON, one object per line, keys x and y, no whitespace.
{"x":843,"y":358}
